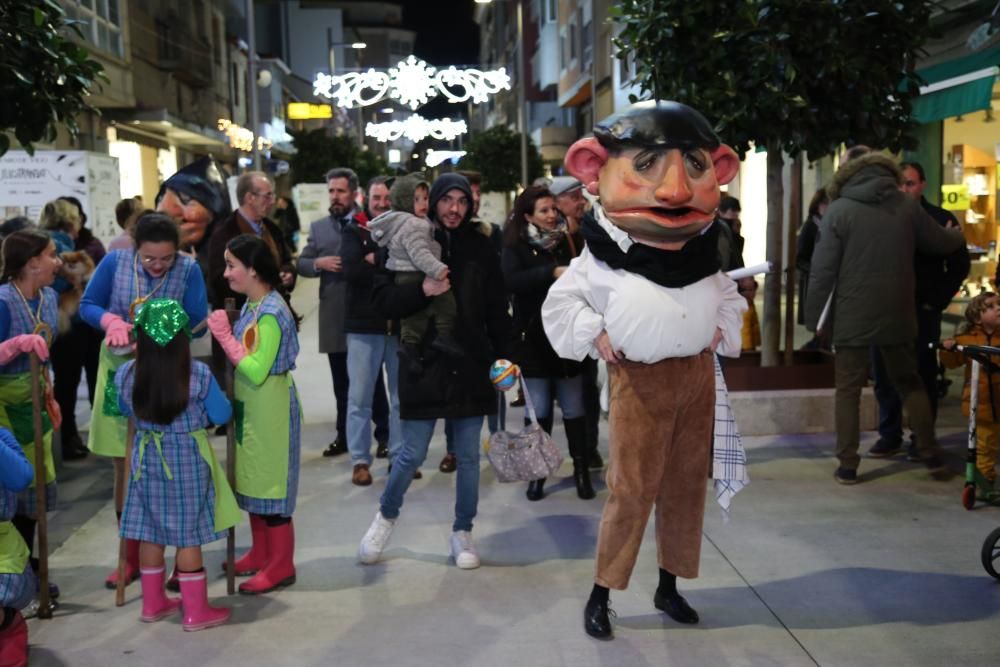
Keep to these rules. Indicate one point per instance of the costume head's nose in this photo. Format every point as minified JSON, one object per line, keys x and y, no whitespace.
{"x":674,"y":189}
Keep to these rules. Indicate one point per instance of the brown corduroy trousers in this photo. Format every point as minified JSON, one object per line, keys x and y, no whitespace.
{"x":661,"y":418}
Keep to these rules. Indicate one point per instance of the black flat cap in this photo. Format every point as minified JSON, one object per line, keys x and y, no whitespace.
{"x":656,"y":124}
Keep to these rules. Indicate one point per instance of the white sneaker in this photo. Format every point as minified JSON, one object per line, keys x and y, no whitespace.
{"x":463,"y":550}
{"x":374,"y":541}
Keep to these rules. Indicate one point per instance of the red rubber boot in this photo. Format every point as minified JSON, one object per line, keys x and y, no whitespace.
{"x":131,"y":566}
{"x":14,"y":642}
{"x":280,"y":568}
{"x":255,"y":559}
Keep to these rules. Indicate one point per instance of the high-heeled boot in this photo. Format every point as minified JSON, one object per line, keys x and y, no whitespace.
{"x":536,"y":488}
{"x":576,"y":437}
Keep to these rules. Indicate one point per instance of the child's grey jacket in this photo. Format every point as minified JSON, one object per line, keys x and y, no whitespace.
{"x":410,"y":241}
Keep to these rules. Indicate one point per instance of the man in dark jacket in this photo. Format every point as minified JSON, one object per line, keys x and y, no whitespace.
{"x":456,"y":389}
{"x":372,"y":340}
{"x":937,"y":280}
{"x":870,"y":294}
{"x":255,"y":193}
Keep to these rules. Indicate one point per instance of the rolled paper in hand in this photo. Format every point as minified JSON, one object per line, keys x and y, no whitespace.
{"x":746,"y":272}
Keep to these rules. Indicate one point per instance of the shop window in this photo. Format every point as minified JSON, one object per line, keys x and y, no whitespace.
{"x":101,"y":22}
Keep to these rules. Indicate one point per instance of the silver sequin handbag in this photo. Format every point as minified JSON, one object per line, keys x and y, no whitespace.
{"x":524,"y":456}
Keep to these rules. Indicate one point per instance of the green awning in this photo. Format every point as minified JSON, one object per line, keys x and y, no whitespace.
{"x":958,"y":86}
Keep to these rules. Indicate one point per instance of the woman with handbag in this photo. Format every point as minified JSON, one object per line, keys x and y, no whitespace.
{"x":537,"y":248}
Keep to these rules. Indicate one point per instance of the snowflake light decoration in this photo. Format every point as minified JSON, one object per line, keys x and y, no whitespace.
{"x":413,"y":83}
{"x":416,"y":128}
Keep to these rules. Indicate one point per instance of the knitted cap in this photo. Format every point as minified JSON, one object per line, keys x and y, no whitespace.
{"x":402,"y":191}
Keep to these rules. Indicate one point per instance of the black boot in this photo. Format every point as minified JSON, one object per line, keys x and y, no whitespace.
{"x":597,"y":614}
{"x":536,"y":489}
{"x":576,"y":436}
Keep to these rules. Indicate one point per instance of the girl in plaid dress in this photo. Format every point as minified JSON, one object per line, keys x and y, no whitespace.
{"x":17,"y":581}
{"x":122,"y":283}
{"x":268,"y":416}
{"x":177,"y":493}
{"x":28,"y":318}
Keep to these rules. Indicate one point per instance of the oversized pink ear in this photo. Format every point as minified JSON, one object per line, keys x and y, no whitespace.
{"x":584,"y":160}
{"x":727,"y":163}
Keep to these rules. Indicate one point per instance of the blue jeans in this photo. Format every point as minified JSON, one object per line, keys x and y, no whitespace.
{"x":416,"y":438}
{"x":365,"y":355}
{"x":569,"y":391}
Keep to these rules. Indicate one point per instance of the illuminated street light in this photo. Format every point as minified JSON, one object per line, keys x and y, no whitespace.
{"x":417,"y":128}
{"x":413,"y":83}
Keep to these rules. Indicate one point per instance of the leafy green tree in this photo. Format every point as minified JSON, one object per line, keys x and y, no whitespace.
{"x":496,"y":154}
{"x":45,"y":78}
{"x":784,"y":75}
{"x":318,"y":151}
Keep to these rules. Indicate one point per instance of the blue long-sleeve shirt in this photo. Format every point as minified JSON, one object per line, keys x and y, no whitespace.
{"x":15,"y":470}
{"x":216,"y":404}
{"x":97,"y":298}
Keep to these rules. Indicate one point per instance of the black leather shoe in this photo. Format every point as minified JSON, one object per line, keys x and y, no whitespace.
{"x":336,"y":448}
{"x":73,"y":449}
{"x":676,"y":607}
{"x":597,"y":621}
{"x":536,"y":489}
{"x":382,"y":451}
{"x":595,"y":460}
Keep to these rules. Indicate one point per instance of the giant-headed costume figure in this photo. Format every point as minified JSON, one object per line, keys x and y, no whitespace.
{"x":196,"y":196}
{"x":647,"y":296}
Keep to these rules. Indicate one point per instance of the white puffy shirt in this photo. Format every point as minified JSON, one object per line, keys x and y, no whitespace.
{"x":645,"y":321}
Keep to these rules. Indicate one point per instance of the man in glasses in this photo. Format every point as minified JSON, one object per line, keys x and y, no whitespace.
{"x":255,"y":194}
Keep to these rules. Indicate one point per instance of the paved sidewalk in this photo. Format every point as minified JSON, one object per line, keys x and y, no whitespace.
{"x":807,"y":572}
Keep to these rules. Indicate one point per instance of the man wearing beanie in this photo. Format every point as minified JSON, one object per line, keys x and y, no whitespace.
{"x":455,"y":389}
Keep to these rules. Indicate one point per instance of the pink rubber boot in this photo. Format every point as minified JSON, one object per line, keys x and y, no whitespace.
{"x":155,"y":603}
{"x":198,"y":614}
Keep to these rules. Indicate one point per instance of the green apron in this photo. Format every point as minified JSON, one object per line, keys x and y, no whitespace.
{"x":227,"y":512}
{"x":16,"y":416}
{"x":13,"y":550}
{"x":108,"y":427}
{"x":262,"y":432}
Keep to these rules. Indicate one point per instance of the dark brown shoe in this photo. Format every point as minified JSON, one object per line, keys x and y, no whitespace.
{"x":448,"y":463}
{"x":361,"y":476}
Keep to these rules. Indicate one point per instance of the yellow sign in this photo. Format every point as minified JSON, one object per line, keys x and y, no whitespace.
{"x":306,"y":111}
{"x":955,"y":197}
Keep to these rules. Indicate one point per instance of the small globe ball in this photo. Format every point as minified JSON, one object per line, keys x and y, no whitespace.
{"x":503,"y":374}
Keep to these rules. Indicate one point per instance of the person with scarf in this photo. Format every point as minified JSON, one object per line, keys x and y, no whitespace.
{"x":647,"y":295}
{"x":537,"y":248}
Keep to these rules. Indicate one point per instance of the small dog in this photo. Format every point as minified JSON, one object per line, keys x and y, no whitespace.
{"x":76,"y":270}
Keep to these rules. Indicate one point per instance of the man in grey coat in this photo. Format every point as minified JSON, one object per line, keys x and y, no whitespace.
{"x":864,"y":259}
{"x":321,"y":257}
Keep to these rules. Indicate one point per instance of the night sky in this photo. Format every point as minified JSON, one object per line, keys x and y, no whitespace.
{"x":446,"y":33}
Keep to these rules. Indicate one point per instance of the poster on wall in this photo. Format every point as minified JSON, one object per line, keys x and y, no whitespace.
{"x":28,"y":182}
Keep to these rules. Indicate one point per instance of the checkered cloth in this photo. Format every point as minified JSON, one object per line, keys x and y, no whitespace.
{"x":27,"y":500}
{"x":729,"y":459}
{"x":18,"y":590}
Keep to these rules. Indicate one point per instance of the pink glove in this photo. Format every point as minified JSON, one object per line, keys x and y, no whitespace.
{"x":116,"y":330}
{"x":218,"y":324}
{"x":23,"y":344}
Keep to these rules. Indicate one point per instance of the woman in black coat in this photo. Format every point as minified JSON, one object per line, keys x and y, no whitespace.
{"x":536,"y":251}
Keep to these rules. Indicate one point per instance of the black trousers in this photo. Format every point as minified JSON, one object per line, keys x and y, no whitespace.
{"x":72,"y":354}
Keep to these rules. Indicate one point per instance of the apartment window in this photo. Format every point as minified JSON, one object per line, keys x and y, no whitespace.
{"x":102,"y":22}
{"x":551,"y":11}
{"x":236,"y":85}
{"x":571,"y":32}
{"x":586,"y":41}
{"x":166,"y":46}
{"x":564,"y":47}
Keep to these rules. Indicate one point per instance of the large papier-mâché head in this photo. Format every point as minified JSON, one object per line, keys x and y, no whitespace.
{"x":657,"y":167}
